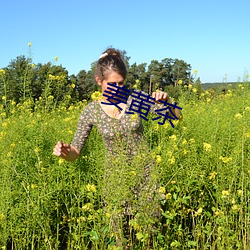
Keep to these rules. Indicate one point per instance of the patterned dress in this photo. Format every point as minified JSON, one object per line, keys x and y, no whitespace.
{"x":127,"y":130}
{"x":128,"y":161}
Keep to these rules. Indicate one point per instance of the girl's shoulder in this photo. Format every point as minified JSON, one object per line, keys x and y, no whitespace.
{"x":91,"y":106}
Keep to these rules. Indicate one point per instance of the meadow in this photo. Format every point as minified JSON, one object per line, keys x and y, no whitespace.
{"x":203,"y":162}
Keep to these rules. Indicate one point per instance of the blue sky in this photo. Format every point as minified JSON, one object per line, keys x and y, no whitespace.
{"x":212,"y":36}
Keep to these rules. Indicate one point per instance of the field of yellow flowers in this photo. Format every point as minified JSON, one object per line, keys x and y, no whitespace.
{"x":204,"y":164}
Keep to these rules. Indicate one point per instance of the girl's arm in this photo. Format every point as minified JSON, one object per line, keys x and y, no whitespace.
{"x":70,"y":152}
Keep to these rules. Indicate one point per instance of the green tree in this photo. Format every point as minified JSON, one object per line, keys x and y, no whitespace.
{"x":181,"y":71}
{"x":18,"y":79}
{"x":86,"y":84}
{"x":168,"y":72}
{"x":138,"y":72}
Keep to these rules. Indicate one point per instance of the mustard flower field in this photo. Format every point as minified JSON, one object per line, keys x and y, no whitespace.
{"x":203,"y":164}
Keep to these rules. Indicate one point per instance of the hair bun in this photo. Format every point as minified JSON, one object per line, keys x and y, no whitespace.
{"x":103,"y":55}
{"x":111,"y":52}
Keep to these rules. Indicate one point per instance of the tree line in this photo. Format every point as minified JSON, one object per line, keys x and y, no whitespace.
{"x":23,"y":79}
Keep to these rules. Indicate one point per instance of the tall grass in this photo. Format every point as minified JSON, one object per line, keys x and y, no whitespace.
{"x":204,"y":165}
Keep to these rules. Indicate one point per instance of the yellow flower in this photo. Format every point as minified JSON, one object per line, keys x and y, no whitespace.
{"x":2,"y":72}
{"x":190,"y":86}
{"x":97,"y":95}
{"x":207,"y":147}
{"x":56,"y":58}
{"x":212,"y":175}
{"x":158,"y":159}
{"x":198,"y":212}
{"x":33,"y":186}
{"x":2,"y":217}
{"x":135,"y":86}
{"x":194,"y":90}
{"x":180,"y":82}
{"x":162,"y":190}
{"x":90,"y":217}
{"x":191,"y":140}
{"x":225,"y":159}
{"x":247,"y":135}
{"x":238,"y":116}
{"x":87,"y":207}
{"x":133,"y":173}
{"x":3,"y":97}
{"x":218,"y":212}
{"x":37,"y":149}
{"x":4,"y":124}
{"x":225,"y":193}
{"x":50,"y":97}
{"x":169,"y":153}
{"x":184,"y":141}
{"x":171,"y":160}
{"x":239,"y":192}
{"x":29,"y":44}
{"x":51,"y":77}
{"x":108,"y":215}
{"x":33,"y":66}
{"x":173,"y":137}
{"x":73,"y":85}
{"x":175,"y":122}
{"x":61,"y":161}
{"x":235,"y":207}
{"x":91,"y":188}
{"x":168,"y":196}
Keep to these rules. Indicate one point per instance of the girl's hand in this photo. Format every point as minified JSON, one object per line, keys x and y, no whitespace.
{"x":61,"y":149}
{"x":160,"y":95}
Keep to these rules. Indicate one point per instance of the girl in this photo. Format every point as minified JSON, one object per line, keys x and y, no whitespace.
{"x":123,"y":137}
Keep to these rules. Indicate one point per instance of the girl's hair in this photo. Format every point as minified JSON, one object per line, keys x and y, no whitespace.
{"x":110,"y":60}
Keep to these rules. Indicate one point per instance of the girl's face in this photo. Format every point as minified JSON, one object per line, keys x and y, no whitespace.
{"x":113,"y":78}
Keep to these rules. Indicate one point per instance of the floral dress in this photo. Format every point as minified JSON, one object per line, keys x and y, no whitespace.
{"x":128,"y":160}
{"x":127,"y":130}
